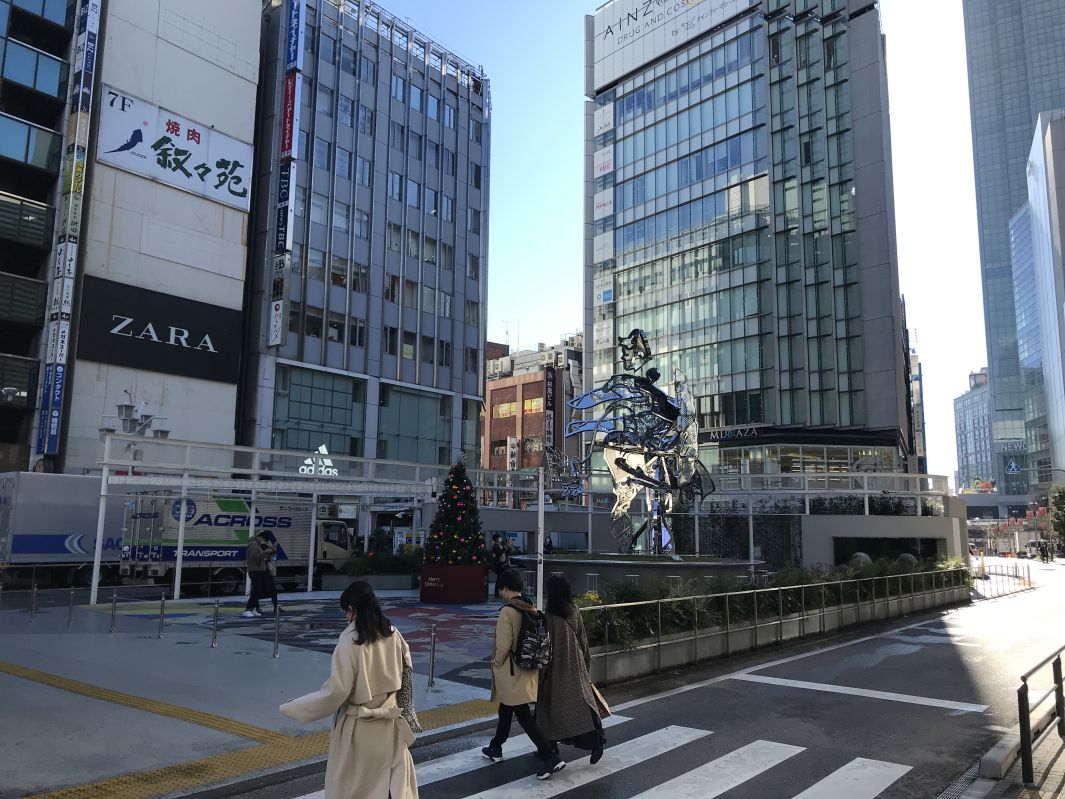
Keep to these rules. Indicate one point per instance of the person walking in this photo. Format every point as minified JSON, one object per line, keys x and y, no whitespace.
{"x":260,"y":550}
{"x":500,"y":557}
{"x":566,"y":708}
{"x":369,"y":694}
{"x":512,"y":686}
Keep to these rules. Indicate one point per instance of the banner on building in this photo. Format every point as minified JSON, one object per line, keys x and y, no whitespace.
{"x":549,"y":406}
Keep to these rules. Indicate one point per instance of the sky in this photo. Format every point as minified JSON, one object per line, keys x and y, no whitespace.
{"x":534,"y":59}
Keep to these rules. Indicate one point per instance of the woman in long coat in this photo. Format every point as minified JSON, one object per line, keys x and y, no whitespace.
{"x":566,"y":708}
{"x":369,"y":755}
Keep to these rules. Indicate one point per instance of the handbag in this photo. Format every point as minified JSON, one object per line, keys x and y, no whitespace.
{"x":271,"y":568}
{"x":600,"y":703}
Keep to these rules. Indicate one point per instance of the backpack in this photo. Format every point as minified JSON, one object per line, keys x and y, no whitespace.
{"x":532,"y":650}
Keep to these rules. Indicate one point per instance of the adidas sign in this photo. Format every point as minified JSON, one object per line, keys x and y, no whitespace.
{"x":320,"y":466}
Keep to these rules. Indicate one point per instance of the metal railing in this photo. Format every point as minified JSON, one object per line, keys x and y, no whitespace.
{"x":678,"y":631}
{"x":1025,"y":707}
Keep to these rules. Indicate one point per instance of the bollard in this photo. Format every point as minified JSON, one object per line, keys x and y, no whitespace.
{"x":728,"y":629}
{"x":1,"y":594}
{"x":214,"y":627}
{"x":695,"y":630}
{"x":432,"y":656}
{"x":114,"y":609}
{"x":606,"y":651}
{"x":277,"y":631}
{"x":33,"y":602}
{"x":1023,"y":710}
{"x":658,"y":636}
{"x":162,"y":612}
{"x":780,"y":617}
{"x":754,"y":643}
{"x":1059,"y":696}
{"x":70,"y":609}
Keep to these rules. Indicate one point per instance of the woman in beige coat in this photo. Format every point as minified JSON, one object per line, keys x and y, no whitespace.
{"x":369,"y":755}
{"x":512,"y":686}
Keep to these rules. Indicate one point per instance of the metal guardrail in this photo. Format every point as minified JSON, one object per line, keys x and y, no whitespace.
{"x":817,"y":608}
{"x":1025,"y":707}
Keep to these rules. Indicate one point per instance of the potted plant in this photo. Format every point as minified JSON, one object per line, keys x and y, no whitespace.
{"x":455,"y":568}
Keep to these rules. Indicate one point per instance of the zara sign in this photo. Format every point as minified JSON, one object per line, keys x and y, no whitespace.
{"x":142,"y":329}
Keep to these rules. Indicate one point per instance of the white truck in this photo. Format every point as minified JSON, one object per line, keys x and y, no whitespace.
{"x":217,"y":528}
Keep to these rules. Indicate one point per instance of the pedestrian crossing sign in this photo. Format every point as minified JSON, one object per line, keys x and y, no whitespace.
{"x":1012,"y":467}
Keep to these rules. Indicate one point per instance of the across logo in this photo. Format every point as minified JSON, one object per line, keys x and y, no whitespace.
{"x":240,"y":520}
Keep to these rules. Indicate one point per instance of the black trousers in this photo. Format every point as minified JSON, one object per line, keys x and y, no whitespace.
{"x":525,"y":719}
{"x":262,"y":587}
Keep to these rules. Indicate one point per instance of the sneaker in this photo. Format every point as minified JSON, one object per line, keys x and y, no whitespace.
{"x":257,"y":613}
{"x":597,"y":755}
{"x":493,"y":753}
{"x":248,"y":614}
{"x":550,"y":767}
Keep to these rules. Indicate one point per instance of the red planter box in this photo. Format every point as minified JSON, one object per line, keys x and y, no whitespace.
{"x":454,"y":585}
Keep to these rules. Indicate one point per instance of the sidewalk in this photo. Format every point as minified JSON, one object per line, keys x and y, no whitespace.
{"x":89,"y":712}
{"x":1048,"y":759}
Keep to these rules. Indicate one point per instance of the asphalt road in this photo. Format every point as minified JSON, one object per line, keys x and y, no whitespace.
{"x":897,"y":710}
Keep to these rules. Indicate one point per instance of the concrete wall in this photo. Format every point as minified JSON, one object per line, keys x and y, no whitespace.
{"x":818,"y":533}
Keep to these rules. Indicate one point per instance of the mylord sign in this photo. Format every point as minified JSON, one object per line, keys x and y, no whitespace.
{"x":631,"y":33}
{"x":141,"y":329}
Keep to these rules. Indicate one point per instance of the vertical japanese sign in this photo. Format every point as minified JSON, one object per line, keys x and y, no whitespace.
{"x":82,"y":78}
{"x":549,"y":406}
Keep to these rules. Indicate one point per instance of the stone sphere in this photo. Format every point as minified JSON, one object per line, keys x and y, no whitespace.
{"x":859,"y":559}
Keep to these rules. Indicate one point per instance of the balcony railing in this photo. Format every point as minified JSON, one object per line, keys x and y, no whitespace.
{"x":30,"y":144}
{"x":36,"y":69}
{"x":26,"y":221}
{"x":21,"y":374}
{"x":22,"y":299}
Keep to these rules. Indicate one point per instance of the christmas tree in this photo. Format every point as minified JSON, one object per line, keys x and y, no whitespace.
{"x":455,"y":536}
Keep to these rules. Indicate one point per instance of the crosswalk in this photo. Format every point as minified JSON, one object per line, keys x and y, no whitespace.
{"x":632,"y":760}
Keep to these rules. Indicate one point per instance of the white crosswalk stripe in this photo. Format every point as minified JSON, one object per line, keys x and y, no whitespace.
{"x":443,"y":768}
{"x":859,"y":779}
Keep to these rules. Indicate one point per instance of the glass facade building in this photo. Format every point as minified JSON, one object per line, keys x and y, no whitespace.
{"x":741,"y":215}
{"x":376,"y":345}
{"x":972,"y":433}
{"x":35,"y":39}
{"x":1016,"y":69}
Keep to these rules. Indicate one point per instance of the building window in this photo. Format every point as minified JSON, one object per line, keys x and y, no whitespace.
{"x":319,"y":206}
{"x":391,"y":288}
{"x":428,"y":299}
{"x":360,"y":279}
{"x":449,"y":162}
{"x":499,"y":447}
{"x":395,"y":186}
{"x":346,"y":111}
{"x":347,"y":60}
{"x":473,"y":220}
{"x":432,"y":154}
{"x":443,"y":354}
{"x":343,"y":163}
{"x":397,"y":136}
{"x":357,"y":333}
{"x":325,"y":101}
{"x":415,"y":98}
{"x":294,"y":318}
{"x":314,"y":326}
{"x":471,"y":360}
{"x":365,"y":120}
{"x":447,"y":208}
{"x":428,"y":350}
{"x":475,"y":131}
{"x":449,"y":116}
{"x":432,"y":107}
{"x":408,"y":345}
{"x":335,"y":330}
{"x":532,"y":405}
{"x":315,"y":264}
{"x":430,"y":201}
{"x":393,"y":235}
{"x":410,"y":294}
{"x":475,"y":175}
{"x":447,"y":256}
{"x":414,"y":145}
{"x":328,"y":49}
{"x":362,"y":225}
{"x":412,"y":243}
{"x":321,"y":153}
{"x":473,"y":267}
{"x":368,"y":70}
{"x":338,"y":271}
{"x":473,"y":313}
{"x":414,"y":194}
{"x":504,"y":410}
{"x":341,"y":217}
{"x":429,"y":247}
{"x":443,"y":304}
{"x":399,"y":88}
{"x":391,"y":341}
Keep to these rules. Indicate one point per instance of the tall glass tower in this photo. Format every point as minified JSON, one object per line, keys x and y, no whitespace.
{"x":1016,"y":70}
{"x":739,"y":209}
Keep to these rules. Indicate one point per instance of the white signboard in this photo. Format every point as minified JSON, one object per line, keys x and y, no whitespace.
{"x":603,"y":246}
{"x":603,"y":287}
{"x":603,"y":161}
{"x":164,"y":146}
{"x":603,"y":119}
{"x":631,"y":33}
{"x":603,"y":204}
{"x":603,"y":334}
{"x":277,"y":323}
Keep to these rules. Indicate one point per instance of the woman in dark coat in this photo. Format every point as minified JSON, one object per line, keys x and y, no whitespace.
{"x":566,"y":710}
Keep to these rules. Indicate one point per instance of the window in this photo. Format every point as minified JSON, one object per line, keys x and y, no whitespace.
{"x":360,"y":278}
{"x":410,"y":294}
{"x":432,"y":154}
{"x":504,"y":410}
{"x":412,"y":243}
{"x":301,"y":148}
{"x":357,"y":333}
{"x":395,"y":186}
{"x":397,"y":136}
{"x":341,"y":217}
{"x":314,"y":326}
{"x":409,"y":340}
{"x":414,"y":194}
{"x":415,"y":98}
{"x":428,"y":349}
{"x":335,"y":330}
{"x":328,"y":51}
{"x":473,"y":312}
{"x":475,"y":131}
{"x":447,"y":256}
{"x":294,"y":319}
{"x":325,"y":101}
{"x":449,"y":162}
{"x":428,"y":299}
{"x":338,"y":271}
{"x":391,"y":341}
{"x":475,"y":175}
{"x":368,"y":70}
{"x":473,"y":220}
{"x":347,"y":60}
{"x":319,"y":208}
{"x":315,"y":264}
{"x":392,"y":236}
{"x":430,"y":250}
{"x":473,"y":267}
{"x":343,"y":163}
{"x":532,"y":405}
{"x":443,"y":353}
{"x":399,"y":88}
{"x":362,"y":225}
{"x":363,"y":172}
{"x":499,"y":447}
{"x":321,"y":154}
{"x":432,"y":108}
{"x":443,"y":304}
{"x":471,"y":364}
{"x":365,"y":120}
{"x":346,"y":110}
{"x":414,"y":145}
{"x":447,"y":208}
{"x":449,"y":116}
{"x":392,"y":288}
{"x":430,"y":201}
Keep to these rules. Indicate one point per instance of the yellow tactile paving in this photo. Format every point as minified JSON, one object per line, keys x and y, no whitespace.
{"x":274,"y":749}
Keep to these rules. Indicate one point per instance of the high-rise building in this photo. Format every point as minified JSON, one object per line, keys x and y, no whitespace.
{"x":740,"y":211}
{"x":369,"y":267}
{"x":919,"y":432}
{"x":972,"y":434}
{"x":126,"y":190}
{"x":1016,"y":70}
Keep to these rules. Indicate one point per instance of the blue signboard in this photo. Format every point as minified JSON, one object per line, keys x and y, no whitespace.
{"x":294,"y":41}
{"x":46,"y":395}
{"x":58,"y":384}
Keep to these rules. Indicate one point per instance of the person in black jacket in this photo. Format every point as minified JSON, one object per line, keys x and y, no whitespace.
{"x":500,"y":557}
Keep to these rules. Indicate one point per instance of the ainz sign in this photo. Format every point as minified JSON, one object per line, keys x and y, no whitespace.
{"x":142,"y":329}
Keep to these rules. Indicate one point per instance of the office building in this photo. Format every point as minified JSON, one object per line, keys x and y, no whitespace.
{"x":127,"y":194}
{"x":1016,"y":69}
{"x":919,"y":434}
{"x":739,"y":209}
{"x":369,"y":266}
{"x":526,"y":396}
{"x":972,"y":434}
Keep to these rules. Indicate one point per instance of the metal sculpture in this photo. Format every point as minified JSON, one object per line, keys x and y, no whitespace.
{"x":648,"y":439}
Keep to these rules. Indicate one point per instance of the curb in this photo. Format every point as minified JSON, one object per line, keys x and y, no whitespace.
{"x":307,"y":768}
{"x":998,"y":760}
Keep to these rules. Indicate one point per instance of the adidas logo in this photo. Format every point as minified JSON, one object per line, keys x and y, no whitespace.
{"x":320,"y":466}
